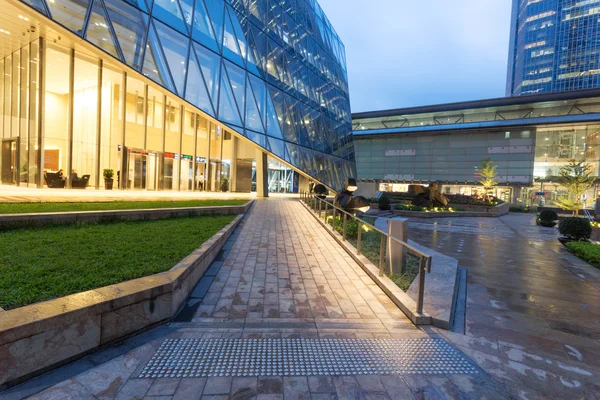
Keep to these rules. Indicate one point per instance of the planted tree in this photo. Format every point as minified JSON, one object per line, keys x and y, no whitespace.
{"x":577,"y":178}
{"x":487,"y":176}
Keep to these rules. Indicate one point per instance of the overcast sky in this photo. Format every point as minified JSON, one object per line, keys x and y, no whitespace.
{"x":404,"y":53}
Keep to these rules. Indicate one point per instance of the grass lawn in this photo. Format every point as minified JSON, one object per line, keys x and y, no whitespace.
{"x":17,"y":208}
{"x":39,"y":264}
{"x":589,"y":252}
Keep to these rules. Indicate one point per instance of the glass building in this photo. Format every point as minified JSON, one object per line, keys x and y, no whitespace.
{"x":173,"y":95}
{"x":529,"y":138}
{"x":554,"y":46}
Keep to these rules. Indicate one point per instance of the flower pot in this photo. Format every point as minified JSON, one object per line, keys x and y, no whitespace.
{"x":108,"y":183}
{"x":224,"y":187}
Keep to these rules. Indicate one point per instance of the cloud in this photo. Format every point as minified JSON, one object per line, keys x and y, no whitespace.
{"x":406,"y":53}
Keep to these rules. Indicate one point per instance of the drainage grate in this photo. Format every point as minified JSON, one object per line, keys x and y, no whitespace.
{"x":304,"y":357}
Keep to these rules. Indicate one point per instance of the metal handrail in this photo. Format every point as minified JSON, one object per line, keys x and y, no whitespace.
{"x":424,"y":259}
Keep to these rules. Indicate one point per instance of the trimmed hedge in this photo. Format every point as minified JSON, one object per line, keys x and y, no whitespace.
{"x":575,"y":228}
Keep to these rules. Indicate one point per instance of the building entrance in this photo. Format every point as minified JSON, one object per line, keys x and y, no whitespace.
{"x":143,"y":170}
{"x":9,"y":161}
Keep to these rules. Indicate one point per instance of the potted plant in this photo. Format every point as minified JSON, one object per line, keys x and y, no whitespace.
{"x":547,"y":218}
{"x":108,"y":174}
{"x":224,"y":184}
{"x":574,"y":230}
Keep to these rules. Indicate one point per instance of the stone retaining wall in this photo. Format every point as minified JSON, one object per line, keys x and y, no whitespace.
{"x":65,"y":218}
{"x":41,"y":336}
{"x":496,"y":211}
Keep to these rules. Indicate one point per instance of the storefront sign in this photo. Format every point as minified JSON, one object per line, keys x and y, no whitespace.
{"x":201,"y":159}
{"x":169,"y":155}
{"x":186,"y":157}
{"x":542,"y":194}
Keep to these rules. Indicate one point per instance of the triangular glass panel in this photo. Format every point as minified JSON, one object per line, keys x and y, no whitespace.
{"x":129,"y":25}
{"x":237,"y":77}
{"x":273,"y":123}
{"x":231,"y":49}
{"x":253,"y":115}
{"x":216,"y":11}
{"x":228,"y":111}
{"x":99,"y":32}
{"x":155,"y":66}
{"x":202,"y":30}
{"x":258,"y":87}
{"x":210,"y":64}
{"x":277,"y":147}
{"x":238,"y":130}
{"x":257,"y":138}
{"x":141,"y":4}
{"x":70,"y":14}
{"x":170,"y":13}
{"x":37,"y":4}
{"x":256,"y":49}
{"x":175,"y":48}
{"x":236,"y":19}
{"x":187,"y":8}
{"x":195,"y":91}
{"x":258,"y":9}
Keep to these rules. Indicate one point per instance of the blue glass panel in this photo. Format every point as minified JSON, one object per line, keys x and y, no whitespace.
{"x":273,"y":124}
{"x":258,"y":87}
{"x":210,"y":64}
{"x":258,"y":10}
{"x":155,"y":66}
{"x":70,"y":14}
{"x":228,"y":111}
{"x":37,"y":4}
{"x":216,"y":11}
{"x":170,"y":13}
{"x":236,"y":19}
{"x":277,"y":147}
{"x":175,"y":47}
{"x":141,"y":4}
{"x":286,"y":120}
{"x":187,"y":8}
{"x":202,"y":30}
{"x":196,"y":92}
{"x":130,"y":26}
{"x":237,"y":78}
{"x":257,"y":138}
{"x":99,"y":32}
{"x":231,"y":49}
{"x":256,"y":49}
{"x":253,"y":116}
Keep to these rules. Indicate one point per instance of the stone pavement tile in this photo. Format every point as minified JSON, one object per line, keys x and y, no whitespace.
{"x":296,"y":387}
{"x":134,"y":389}
{"x":370,"y":383}
{"x":69,"y":389}
{"x":324,"y":396}
{"x":270,"y":396}
{"x":395,"y":387}
{"x":422,"y":388}
{"x":158,"y":398}
{"x":163,"y":387}
{"x":347,"y":387}
{"x":218,"y":385}
{"x":270,"y":385}
{"x":190,"y":389}
{"x":375,"y":396}
{"x":319,"y":384}
{"x":491,"y":364}
{"x":244,"y":388}
{"x":479,"y":386}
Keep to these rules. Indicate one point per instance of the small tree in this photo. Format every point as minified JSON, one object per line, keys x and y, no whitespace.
{"x":577,"y":178}
{"x":487,"y":176}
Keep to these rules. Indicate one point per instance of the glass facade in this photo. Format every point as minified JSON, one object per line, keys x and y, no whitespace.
{"x":553,"y":46}
{"x":527,"y":152}
{"x":175,"y":93}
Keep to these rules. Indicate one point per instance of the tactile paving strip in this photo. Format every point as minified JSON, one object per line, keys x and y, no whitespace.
{"x":304,"y":357}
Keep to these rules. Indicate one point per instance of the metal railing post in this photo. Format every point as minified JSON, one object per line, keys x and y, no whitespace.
{"x":359,"y":237}
{"x":344,"y":226}
{"x":422,"y":262}
{"x":320,"y":207}
{"x":382,"y":254}
{"x":333,"y":219}
{"x":326,"y":211}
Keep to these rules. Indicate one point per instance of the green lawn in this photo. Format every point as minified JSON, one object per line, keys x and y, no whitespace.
{"x":39,"y":264}
{"x":17,"y":208}
{"x":589,"y":252}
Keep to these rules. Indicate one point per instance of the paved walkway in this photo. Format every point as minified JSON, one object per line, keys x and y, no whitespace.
{"x":533,"y":309}
{"x":285,"y":290}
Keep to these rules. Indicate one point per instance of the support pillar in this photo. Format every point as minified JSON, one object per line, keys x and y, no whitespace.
{"x":397,"y":228}
{"x":262,"y":174}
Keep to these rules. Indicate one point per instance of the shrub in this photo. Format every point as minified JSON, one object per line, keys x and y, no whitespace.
{"x":547,"y":218}
{"x":575,"y":228}
{"x":384,"y":203}
{"x":409,"y":207}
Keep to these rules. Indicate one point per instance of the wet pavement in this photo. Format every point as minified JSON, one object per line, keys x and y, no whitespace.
{"x":532,"y":315}
{"x":284,"y":290}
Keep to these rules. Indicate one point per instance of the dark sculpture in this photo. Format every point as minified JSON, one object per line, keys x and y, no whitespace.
{"x":428,"y":196}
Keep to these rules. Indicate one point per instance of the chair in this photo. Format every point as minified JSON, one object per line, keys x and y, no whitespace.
{"x":80,"y":183}
{"x":53,"y":180}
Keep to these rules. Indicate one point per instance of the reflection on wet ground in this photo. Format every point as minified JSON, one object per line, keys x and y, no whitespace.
{"x":528,"y":299}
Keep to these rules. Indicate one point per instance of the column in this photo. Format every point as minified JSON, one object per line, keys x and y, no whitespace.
{"x":262,"y":174}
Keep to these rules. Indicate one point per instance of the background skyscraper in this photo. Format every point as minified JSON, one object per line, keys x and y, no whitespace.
{"x":554,"y":46}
